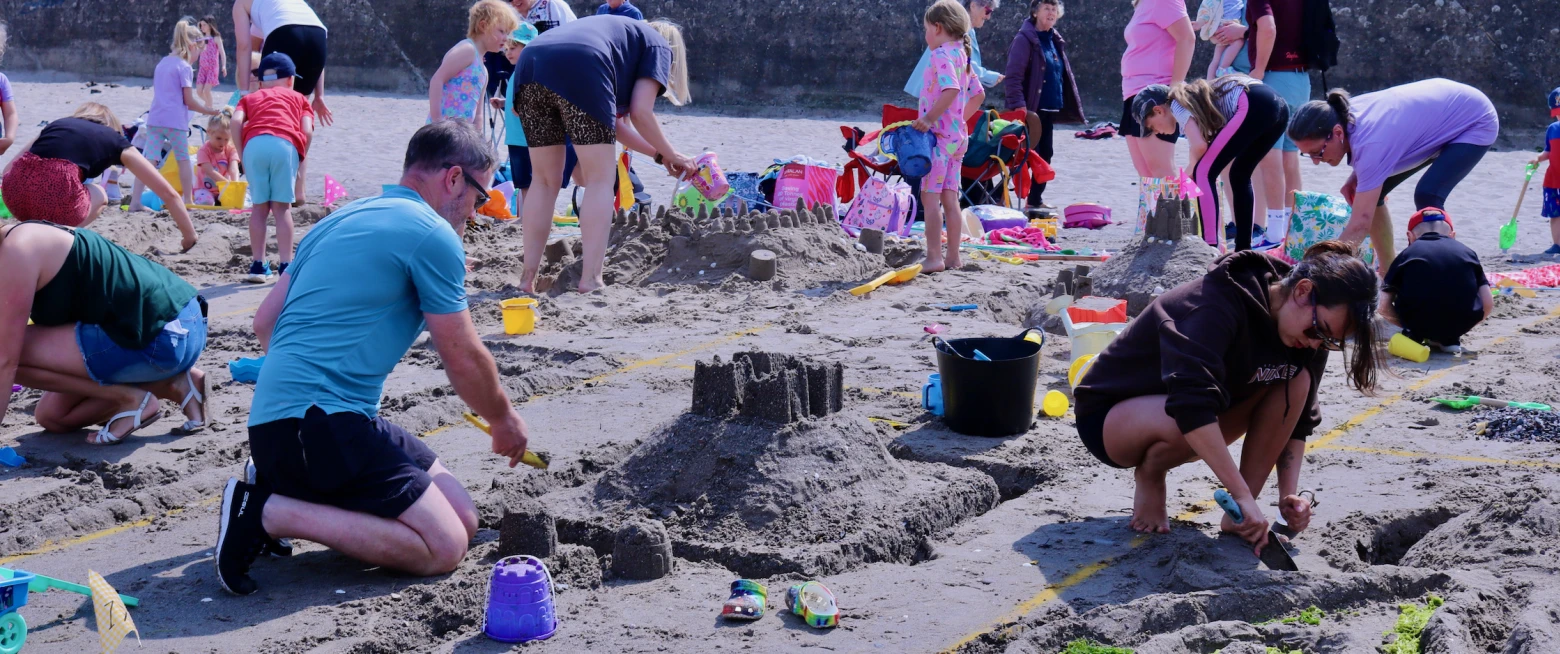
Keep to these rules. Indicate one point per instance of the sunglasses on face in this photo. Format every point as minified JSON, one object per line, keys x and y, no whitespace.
{"x":482,"y":191}
{"x":1314,"y":332}
{"x":1317,"y":156}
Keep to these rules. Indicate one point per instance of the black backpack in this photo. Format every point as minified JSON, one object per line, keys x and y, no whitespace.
{"x":1319,"y":37}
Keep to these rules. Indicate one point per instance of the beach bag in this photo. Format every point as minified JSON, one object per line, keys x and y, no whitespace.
{"x":993,"y":217}
{"x":1317,"y":217}
{"x":911,"y":147}
{"x":745,"y":188}
{"x":880,"y":205}
{"x":708,"y":178}
{"x":1089,"y":215}
{"x":811,"y":184}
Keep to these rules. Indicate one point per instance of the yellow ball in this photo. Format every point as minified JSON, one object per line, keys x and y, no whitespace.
{"x":1054,"y":404}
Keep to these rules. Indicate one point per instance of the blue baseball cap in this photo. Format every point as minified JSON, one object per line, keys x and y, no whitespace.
{"x":1554,"y":102}
{"x":276,"y":66}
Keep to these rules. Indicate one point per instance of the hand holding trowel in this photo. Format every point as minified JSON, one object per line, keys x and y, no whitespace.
{"x":1275,"y":555}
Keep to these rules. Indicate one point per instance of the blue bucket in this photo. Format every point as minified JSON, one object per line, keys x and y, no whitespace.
{"x":913,"y":149}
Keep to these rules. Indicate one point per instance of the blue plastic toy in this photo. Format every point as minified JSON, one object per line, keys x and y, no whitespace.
{"x":931,"y":394}
{"x":150,"y":201}
{"x":8,"y":456}
{"x":13,"y":595}
{"x":246,"y":370}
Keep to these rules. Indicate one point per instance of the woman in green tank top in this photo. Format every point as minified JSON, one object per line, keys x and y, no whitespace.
{"x":111,"y":331}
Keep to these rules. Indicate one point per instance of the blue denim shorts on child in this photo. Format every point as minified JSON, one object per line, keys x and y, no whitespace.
{"x":172,"y":352}
{"x":271,"y":162}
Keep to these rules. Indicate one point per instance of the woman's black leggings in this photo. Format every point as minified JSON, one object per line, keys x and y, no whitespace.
{"x":307,"y":45}
{"x":1045,"y":147}
{"x":1259,"y":120}
{"x":1447,"y":168}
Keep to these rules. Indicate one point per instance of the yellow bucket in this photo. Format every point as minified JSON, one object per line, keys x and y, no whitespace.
{"x":519,"y":315}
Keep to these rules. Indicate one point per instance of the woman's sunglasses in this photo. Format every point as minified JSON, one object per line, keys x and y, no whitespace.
{"x":1316,"y":157}
{"x":1314,"y":332}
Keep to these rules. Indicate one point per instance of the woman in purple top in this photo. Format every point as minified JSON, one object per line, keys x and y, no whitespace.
{"x":1039,"y":79}
{"x":1388,"y":136}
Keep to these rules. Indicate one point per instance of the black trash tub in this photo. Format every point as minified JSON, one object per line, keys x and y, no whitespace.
{"x":989,"y":398}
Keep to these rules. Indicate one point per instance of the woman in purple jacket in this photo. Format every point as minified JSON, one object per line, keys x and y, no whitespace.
{"x":1039,"y":79}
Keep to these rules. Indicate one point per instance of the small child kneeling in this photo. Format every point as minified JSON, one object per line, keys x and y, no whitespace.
{"x":277,"y":126}
{"x":1435,"y":289}
{"x":217,"y":161}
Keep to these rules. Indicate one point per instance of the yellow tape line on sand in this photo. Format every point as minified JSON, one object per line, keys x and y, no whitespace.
{"x":1078,"y":576}
{"x":53,"y":546}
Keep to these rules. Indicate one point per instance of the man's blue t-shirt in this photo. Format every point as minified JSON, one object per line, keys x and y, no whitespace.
{"x":627,"y":9}
{"x":360,"y":284}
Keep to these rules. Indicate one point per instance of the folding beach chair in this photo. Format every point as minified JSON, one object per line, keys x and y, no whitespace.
{"x":865,"y":162}
{"x":999,"y":150}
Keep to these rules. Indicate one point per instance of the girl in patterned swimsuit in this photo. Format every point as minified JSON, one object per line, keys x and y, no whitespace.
{"x":456,"y":90}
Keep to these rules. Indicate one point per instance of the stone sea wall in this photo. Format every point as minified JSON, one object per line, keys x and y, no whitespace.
{"x":826,"y":53}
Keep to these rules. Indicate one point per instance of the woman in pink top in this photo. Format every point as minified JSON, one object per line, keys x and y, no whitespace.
{"x":1159,"y":51}
{"x":1390,"y":135}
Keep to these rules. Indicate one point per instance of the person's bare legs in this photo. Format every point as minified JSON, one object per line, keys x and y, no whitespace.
{"x":597,"y":167}
{"x":429,"y":538}
{"x":186,"y":178}
{"x":950,"y":206}
{"x":1139,"y":433}
{"x":537,"y":211}
{"x":284,"y":230}
{"x":1381,"y":239}
{"x":52,"y":361}
{"x":257,"y":224}
{"x":1152,"y":156}
{"x":98,"y":198}
{"x":298,"y":196}
{"x":931,"y":206}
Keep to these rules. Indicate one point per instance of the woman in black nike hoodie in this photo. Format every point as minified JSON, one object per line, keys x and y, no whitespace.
{"x":1240,"y":351}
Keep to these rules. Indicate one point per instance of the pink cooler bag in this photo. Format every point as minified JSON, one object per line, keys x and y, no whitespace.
{"x":1086,"y":214}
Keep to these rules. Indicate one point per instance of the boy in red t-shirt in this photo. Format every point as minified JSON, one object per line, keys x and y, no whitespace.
{"x":1551,"y":208}
{"x":275,"y":125}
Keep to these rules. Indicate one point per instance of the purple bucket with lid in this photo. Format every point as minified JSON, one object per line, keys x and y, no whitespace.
{"x":520,"y":601}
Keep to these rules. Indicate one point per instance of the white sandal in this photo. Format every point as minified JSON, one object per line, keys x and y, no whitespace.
{"x":198,"y":396}
{"x":106,"y":437}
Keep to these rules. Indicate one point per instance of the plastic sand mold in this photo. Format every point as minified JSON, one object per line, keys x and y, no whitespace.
{"x":8,"y":456}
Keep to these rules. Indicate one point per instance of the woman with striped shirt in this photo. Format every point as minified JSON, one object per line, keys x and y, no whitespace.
{"x":1229,"y":122}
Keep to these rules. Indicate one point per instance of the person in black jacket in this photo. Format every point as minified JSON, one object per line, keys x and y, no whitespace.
{"x":1240,"y":351}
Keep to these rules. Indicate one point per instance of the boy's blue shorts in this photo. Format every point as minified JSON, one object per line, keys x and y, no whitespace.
{"x":271,"y":164}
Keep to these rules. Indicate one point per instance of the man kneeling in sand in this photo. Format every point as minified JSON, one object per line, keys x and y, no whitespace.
{"x":365,"y":282}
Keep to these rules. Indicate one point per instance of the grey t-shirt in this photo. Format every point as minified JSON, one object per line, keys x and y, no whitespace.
{"x":593,"y":63}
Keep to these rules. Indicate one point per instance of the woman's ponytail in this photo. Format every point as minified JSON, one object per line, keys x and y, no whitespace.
{"x":1317,"y":118}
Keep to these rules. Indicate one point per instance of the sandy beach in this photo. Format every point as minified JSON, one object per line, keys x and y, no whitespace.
{"x":946,"y":543}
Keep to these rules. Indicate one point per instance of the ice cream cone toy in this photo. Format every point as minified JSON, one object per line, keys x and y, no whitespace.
{"x":529,"y":458}
{"x":747,"y":602}
{"x":814,"y":603}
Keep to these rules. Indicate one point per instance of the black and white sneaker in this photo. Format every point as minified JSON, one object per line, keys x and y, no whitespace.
{"x":240,"y":537}
{"x":273,"y":546}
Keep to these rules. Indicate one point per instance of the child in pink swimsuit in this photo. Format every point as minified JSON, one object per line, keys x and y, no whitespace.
{"x":949,"y":95}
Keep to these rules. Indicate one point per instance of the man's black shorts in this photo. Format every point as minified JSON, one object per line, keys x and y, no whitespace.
{"x":345,"y":460}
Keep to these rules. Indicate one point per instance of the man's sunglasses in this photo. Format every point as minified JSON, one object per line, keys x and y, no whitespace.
{"x":482,"y":191}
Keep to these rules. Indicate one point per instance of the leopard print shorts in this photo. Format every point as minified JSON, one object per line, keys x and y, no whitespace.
{"x":547,"y":118}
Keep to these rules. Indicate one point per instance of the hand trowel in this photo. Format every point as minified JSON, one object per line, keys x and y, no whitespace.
{"x":1275,"y":555}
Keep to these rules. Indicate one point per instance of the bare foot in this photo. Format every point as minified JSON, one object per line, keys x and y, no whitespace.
{"x":954,"y":263}
{"x":528,"y":282}
{"x":591,"y":287}
{"x":933,"y":265}
{"x":1148,"y":503}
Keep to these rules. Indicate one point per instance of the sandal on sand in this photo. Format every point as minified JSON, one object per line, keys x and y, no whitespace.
{"x":198,"y":396}
{"x":747,"y":601}
{"x":814,"y":603}
{"x":106,"y":437}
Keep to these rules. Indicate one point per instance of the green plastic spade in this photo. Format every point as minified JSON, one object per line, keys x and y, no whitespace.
{"x":1470,"y":401}
{"x":1508,"y":231}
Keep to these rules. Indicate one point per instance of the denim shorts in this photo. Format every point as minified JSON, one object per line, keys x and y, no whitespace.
{"x":173,"y":351}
